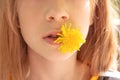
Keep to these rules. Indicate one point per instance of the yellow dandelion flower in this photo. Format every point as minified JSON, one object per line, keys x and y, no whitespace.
{"x":94,"y":78}
{"x":69,"y":39}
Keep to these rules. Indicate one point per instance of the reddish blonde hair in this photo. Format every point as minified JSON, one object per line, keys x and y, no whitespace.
{"x":12,"y":46}
{"x":101,"y":45}
{"x":97,"y":52}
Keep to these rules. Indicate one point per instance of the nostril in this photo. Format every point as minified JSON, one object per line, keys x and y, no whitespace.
{"x":51,"y":18}
{"x":64,"y":17}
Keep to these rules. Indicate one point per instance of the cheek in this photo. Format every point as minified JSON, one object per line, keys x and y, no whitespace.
{"x":81,"y":11}
{"x":28,"y":36}
{"x":83,"y":15}
{"x":82,"y":19}
{"x":29,"y":12}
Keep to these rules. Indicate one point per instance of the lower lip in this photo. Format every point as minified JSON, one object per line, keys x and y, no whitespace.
{"x":51,"y":41}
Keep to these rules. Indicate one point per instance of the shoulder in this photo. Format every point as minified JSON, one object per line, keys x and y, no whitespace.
{"x":109,"y":75}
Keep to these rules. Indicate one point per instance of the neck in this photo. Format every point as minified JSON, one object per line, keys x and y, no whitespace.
{"x":43,"y":69}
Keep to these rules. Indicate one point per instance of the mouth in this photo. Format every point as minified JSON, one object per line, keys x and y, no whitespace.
{"x":51,"y":37}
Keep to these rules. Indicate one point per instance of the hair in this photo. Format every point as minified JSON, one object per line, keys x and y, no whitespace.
{"x":97,"y":52}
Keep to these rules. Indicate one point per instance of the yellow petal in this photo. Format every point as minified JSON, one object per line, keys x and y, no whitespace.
{"x":70,"y":39}
{"x":94,"y":78}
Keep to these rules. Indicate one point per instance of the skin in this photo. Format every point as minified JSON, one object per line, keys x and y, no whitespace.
{"x":39,"y":17}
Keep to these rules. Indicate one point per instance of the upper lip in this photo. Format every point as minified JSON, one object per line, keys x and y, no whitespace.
{"x":51,"y":33}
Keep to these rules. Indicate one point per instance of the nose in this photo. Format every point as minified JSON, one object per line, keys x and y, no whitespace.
{"x":57,"y":15}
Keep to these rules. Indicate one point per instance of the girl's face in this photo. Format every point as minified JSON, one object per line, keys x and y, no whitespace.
{"x":39,"y":18}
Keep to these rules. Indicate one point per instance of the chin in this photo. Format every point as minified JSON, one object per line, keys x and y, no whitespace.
{"x":56,"y":57}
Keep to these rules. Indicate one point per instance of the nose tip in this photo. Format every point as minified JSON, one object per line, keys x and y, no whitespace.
{"x":57,"y":16}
